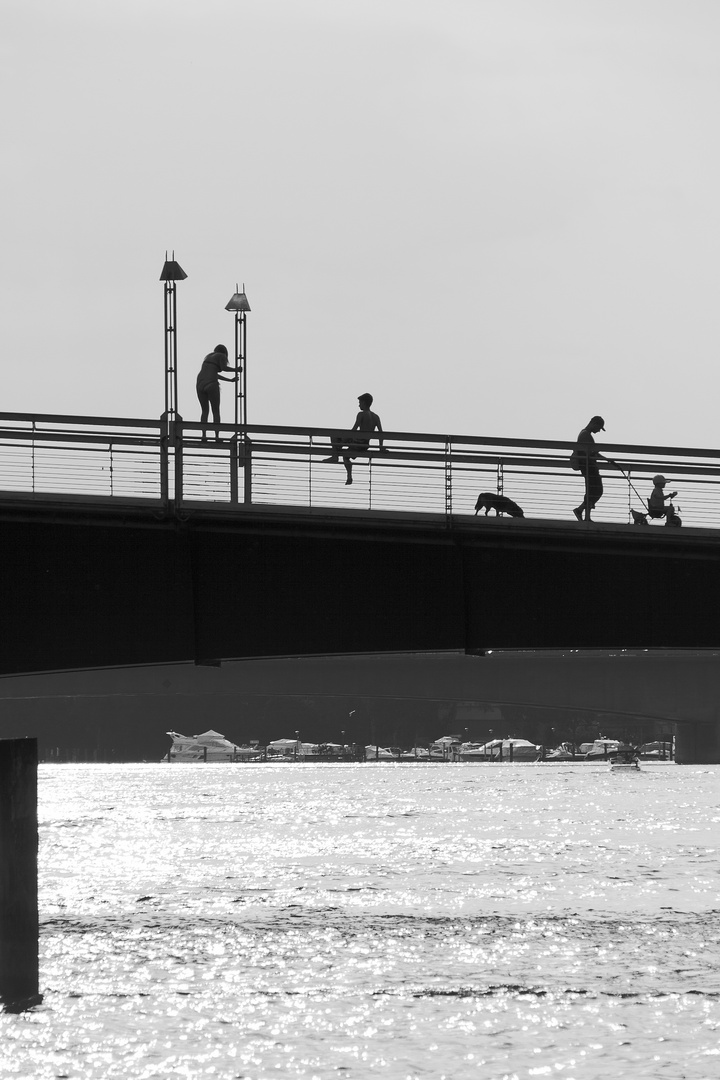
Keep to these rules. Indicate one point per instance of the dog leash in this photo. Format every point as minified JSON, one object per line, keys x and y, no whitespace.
{"x":647,"y":508}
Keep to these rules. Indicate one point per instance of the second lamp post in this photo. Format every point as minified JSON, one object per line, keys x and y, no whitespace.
{"x":239,"y":304}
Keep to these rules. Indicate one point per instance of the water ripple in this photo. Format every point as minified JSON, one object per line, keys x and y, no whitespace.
{"x":243,"y":921}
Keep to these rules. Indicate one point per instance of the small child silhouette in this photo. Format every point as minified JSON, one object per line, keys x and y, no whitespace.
{"x":656,"y":502}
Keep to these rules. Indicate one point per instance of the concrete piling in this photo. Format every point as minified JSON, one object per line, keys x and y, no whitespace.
{"x":19,"y":967}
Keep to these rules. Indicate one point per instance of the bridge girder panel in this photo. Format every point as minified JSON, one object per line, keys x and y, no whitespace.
{"x":105,"y":590}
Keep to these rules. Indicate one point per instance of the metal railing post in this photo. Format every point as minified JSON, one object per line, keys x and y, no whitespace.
{"x":629,"y":491}
{"x":234,"y":466}
{"x":176,"y":438}
{"x":247,"y":467}
{"x":448,"y":479}
{"x":164,"y":465}
{"x":310,"y":472}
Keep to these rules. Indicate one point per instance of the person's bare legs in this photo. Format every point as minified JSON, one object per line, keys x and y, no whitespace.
{"x":214,"y":396}
{"x":337,"y":445}
{"x":204,"y":410}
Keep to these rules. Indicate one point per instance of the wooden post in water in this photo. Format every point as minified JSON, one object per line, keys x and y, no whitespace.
{"x":19,"y":969}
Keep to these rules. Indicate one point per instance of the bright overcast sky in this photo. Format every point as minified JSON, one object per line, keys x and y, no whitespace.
{"x":497,"y":216}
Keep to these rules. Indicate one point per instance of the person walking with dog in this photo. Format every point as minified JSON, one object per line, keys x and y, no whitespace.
{"x":366,"y":422}
{"x":584,"y":459}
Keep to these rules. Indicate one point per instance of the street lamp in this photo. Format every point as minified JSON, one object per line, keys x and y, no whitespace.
{"x":238,"y":303}
{"x":171,"y":272}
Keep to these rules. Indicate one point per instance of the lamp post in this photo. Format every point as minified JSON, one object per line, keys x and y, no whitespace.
{"x":239,"y":304}
{"x":171,"y":272}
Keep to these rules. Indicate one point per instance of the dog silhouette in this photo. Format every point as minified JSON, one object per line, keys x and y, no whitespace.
{"x":487,"y":500}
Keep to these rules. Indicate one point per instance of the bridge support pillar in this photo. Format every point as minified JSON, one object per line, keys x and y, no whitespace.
{"x":698,"y":743}
{"x":18,"y":875}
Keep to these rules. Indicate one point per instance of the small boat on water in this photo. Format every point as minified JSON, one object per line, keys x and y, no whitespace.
{"x":210,"y":746}
{"x":625,"y":762}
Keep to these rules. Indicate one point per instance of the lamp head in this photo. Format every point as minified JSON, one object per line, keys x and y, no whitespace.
{"x":237,"y":302}
{"x":172,"y":271}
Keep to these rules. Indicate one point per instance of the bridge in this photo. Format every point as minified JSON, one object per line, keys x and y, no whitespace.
{"x":132,"y":541}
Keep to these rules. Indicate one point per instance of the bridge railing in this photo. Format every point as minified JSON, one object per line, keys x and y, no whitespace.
{"x":45,"y":455}
{"x":438,"y":474}
{"x":153,"y":463}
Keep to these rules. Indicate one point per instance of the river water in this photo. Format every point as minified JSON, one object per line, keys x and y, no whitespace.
{"x":403,"y":921}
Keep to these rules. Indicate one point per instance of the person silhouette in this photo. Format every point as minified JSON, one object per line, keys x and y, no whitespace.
{"x":585,"y":457}
{"x":208,"y":386}
{"x":656,"y":502}
{"x":366,"y":422}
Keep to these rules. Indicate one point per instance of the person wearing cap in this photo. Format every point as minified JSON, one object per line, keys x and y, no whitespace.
{"x":656,"y":502}
{"x":586,"y":455}
{"x":208,"y":385}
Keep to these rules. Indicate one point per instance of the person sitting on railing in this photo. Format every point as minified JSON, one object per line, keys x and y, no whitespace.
{"x":365,"y":423}
{"x":208,"y":385}
{"x":656,"y":502}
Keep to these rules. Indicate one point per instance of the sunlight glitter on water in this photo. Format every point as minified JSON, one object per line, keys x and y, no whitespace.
{"x":467,"y":921}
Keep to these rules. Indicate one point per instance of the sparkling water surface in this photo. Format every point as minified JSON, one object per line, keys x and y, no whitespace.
{"x":403,"y":921}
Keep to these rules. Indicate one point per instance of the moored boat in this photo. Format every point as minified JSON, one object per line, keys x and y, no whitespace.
{"x":602,"y":749}
{"x":471,"y":751}
{"x":445,"y":748}
{"x":563,"y":752}
{"x":292,"y":750}
{"x":416,"y":753}
{"x":660,"y":750}
{"x":209,"y":746}
{"x":506,"y":750}
{"x":381,"y":753}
